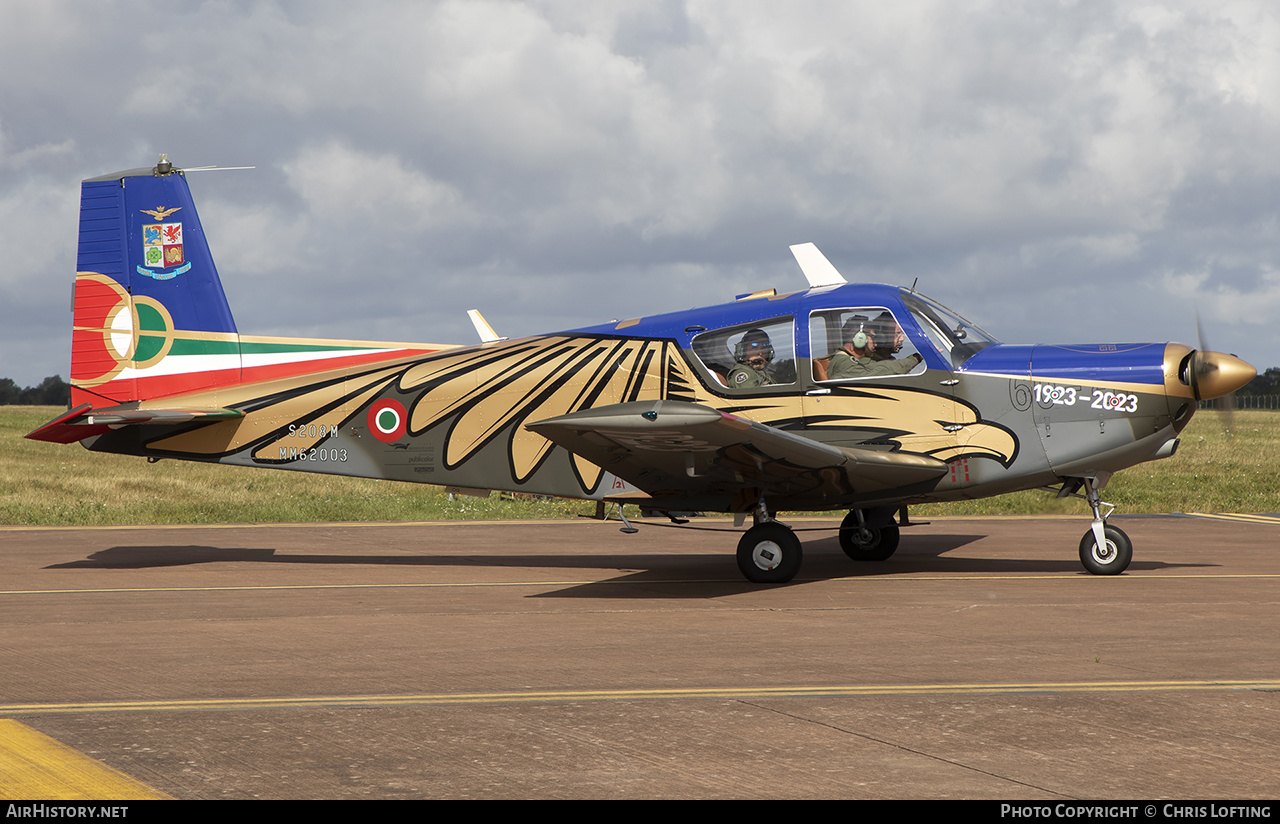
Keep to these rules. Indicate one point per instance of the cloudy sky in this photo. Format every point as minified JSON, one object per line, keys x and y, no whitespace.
{"x":1057,"y":171}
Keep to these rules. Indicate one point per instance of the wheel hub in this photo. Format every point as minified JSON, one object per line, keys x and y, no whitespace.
{"x":767,"y":555}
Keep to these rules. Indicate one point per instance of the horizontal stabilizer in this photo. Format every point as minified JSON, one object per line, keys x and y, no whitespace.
{"x":85,"y":421}
{"x":674,"y":446}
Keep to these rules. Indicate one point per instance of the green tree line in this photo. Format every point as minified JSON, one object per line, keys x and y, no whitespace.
{"x":52,"y":391}
{"x":1266,"y":383}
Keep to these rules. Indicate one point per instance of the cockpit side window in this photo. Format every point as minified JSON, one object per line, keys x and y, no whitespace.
{"x":750,"y":356}
{"x":860,"y":342}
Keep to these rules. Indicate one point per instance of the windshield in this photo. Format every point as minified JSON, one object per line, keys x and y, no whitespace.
{"x":955,"y":338}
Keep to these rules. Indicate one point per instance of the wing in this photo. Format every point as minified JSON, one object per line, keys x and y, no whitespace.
{"x":675,"y":448}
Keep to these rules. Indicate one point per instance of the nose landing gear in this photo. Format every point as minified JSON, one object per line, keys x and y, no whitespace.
{"x":1104,"y":549}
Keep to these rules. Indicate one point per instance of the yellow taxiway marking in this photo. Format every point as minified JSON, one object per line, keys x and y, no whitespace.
{"x":735,"y":693}
{"x":35,"y":766}
{"x":1239,"y":517}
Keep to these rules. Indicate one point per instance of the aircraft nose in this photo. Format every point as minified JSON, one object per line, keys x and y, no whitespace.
{"x":1214,"y":374}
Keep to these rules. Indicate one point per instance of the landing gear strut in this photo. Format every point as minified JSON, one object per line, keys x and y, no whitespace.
{"x":769,"y":552}
{"x":1104,"y":549}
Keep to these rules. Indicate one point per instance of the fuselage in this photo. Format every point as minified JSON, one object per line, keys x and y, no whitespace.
{"x":1003,"y":417}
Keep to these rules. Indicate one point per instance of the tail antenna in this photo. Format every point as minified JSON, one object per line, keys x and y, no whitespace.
{"x":164,"y":168}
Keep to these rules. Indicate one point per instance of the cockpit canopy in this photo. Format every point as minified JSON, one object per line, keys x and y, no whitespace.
{"x":955,"y":338}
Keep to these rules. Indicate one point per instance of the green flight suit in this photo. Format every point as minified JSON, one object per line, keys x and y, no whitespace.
{"x":845,"y":366}
{"x":744,"y":377}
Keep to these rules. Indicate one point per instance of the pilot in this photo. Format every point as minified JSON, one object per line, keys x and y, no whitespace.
{"x":856,"y":358}
{"x":753,"y":353}
{"x":885,"y":328}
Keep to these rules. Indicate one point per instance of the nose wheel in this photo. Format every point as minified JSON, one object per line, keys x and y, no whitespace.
{"x":1110,"y":557}
{"x":1104,"y":549}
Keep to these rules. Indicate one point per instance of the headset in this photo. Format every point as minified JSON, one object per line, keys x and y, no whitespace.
{"x":859,"y":339}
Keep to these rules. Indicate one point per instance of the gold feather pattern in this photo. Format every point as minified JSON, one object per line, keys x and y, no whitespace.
{"x":490,"y":391}
{"x":487,"y":394}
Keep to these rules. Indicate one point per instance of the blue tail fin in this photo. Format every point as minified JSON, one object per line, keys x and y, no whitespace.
{"x":151,"y":318}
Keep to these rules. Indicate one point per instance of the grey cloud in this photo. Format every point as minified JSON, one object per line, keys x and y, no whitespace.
{"x":1055,"y":170}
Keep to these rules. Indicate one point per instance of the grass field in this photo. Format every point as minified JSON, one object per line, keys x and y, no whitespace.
{"x":48,"y":484}
{"x":1213,"y":471}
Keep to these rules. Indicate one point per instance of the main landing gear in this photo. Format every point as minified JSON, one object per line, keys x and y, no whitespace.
{"x":770,"y":552}
{"x":869,"y":535}
{"x":1104,"y":549}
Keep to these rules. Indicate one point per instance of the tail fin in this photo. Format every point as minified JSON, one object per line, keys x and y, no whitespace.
{"x":151,"y":318}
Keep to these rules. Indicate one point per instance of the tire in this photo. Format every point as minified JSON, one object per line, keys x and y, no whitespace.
{"x":1113,"y":559}
{"x":881,"y":546}
{"x":769,"y":554}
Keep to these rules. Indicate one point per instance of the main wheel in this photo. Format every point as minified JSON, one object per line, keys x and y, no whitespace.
{"x":868,"y":544}
{"x":769,"y":554}
{"x":1111,"y":559}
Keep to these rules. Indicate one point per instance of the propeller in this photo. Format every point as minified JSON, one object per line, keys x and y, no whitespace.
{"x":1215,"y":375}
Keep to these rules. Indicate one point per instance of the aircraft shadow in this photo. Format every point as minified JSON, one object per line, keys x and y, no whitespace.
{"x":642,"y":575}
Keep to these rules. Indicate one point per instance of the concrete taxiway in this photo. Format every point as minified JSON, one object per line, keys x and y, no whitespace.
{"x":565,"y":660}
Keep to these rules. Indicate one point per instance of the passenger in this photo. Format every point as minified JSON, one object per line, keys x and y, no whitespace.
{"x":753,"y":353}
{"x":856,"y":358}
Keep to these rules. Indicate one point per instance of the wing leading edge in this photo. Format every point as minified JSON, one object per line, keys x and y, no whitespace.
{"x":675,"y":448}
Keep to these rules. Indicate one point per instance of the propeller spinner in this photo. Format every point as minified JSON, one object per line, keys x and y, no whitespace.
{"x":1214,"y":374}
